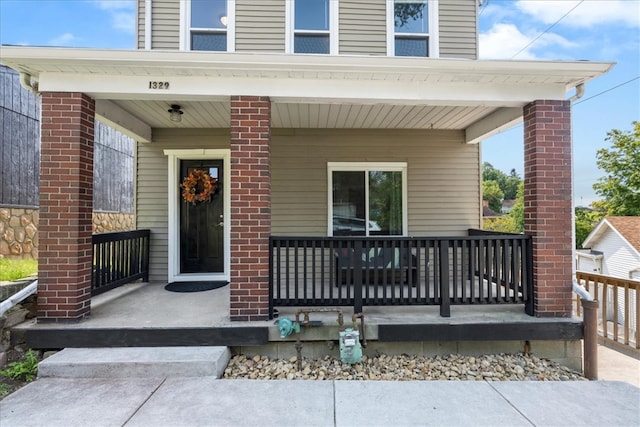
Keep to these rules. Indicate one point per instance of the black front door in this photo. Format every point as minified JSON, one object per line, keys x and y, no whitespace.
{"x":201,"y":225}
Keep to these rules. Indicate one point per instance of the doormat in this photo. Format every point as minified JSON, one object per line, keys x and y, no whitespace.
{"x":195,"y":286}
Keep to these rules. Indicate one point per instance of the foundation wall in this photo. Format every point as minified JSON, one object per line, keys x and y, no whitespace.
{"x":566,"y":353}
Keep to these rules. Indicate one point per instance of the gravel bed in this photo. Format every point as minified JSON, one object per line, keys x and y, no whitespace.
{"x":454,"y":367}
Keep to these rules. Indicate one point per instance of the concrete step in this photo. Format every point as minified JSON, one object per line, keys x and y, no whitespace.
{"x":136,"y":362}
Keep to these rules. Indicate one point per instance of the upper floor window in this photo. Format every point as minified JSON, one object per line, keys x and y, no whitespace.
{"x":367,"y":199}
{"x":310,"y":23}
{"x":411,"y":22}
{"x":209,"y":21}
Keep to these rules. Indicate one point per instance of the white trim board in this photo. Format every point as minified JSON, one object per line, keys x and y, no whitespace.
{"x":173,"y":166}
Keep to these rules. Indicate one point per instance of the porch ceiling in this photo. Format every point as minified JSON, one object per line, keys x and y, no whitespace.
{"x":307,"y":91}
{"x":212,"y":114}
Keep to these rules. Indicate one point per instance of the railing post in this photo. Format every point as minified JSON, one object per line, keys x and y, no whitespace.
{"x":145,"y":255}
{"x":357,"y":276}
{"x":445,"y":303}
{"x":527,"y":272}
{"x":590,"y":325}
{"x":271,"y":264}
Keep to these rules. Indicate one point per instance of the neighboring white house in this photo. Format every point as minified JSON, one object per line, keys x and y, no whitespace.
{"x":614,"y":251}
{"x":614,"y":248}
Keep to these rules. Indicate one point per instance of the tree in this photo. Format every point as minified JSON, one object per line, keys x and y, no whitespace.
{"x":586,"y":220}
{"x":511,"y":184}
{"x":405,"y":12}
{"x":513,"y":222}
{"x":620,"y":188}
{"x":517,"y":212}
{"x":491,"y":191}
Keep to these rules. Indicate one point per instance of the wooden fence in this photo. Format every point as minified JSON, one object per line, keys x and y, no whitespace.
{"x":20,"y":153}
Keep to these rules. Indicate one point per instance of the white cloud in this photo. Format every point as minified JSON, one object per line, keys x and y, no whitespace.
{"x":121,"y":13}
{"x":124,"y":22}
{"x":502,"y":41}
{"x":115,"y":4}
{"x":587,"y":14}
{"x":62,"y":40}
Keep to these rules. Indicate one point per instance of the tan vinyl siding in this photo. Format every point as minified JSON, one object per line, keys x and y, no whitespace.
{"x":165,"y":24}
{"x":363,"y":27}
{"x":140,"y":33}
{"x":442,"y":177}
{"x":260,"y":26}
{"x":458,"y":29}
{"x":152,"y":189}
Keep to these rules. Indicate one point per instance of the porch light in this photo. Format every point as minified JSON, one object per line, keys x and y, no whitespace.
{"x":223,"y":20}
{"x":175,"y":113}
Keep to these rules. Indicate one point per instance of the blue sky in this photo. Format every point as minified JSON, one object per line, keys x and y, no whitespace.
{"x":607,"y":30}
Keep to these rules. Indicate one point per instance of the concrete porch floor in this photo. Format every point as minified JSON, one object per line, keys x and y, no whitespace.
{"x":149,"y":305}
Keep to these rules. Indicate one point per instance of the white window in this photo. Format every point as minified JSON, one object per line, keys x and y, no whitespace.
{"x":209,"y":25}
{"x":412,"y":28}
{"x":367,"y":199}
{"x":311,"y":24}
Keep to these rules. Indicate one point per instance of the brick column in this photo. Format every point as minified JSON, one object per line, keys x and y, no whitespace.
{"x":250,"y":207}
{"x":548,"y":204}
{"x":66,"y":202}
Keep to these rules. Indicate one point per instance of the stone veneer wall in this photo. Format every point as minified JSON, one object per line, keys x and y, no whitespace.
{"x":19,"y":229}
{"x":107,"y":222}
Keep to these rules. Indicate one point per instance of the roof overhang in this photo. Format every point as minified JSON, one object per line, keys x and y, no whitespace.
{"x":486,"y":95}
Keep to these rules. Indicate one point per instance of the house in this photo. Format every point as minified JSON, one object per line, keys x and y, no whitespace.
{"x":304,"y":113}
{"x":507,"y":205}
{"x":614,"y":248}
{"x":487,"y":212}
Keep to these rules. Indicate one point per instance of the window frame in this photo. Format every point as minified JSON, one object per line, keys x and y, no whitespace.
{"x":186,"y":30}
{"x":365,"y":168}
{"x":433,"y":43}
{"x":290,"y":34}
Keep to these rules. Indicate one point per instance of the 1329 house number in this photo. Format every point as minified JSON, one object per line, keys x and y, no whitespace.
{"x":158,"y":85}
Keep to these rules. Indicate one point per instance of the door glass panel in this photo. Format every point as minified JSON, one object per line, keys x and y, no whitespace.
{"x":349,"y":214}
{"x":385,"y":203}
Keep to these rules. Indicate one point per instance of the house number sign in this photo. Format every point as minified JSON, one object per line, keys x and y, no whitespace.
{"x":158,"y":85}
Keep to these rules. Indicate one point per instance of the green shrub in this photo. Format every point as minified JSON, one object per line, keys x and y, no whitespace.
{"x":24,"y":370}
{"x":17,"y":269}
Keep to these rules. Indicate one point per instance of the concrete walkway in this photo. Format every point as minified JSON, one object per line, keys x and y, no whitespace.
{"x":206,"y":401}
{"x":615,"y":366}
{"x":173,"y":388}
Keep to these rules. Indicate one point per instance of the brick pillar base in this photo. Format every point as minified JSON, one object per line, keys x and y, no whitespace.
{"x":250,"y":207}
{"x":66,"y":202}
{"x":548,"y":204}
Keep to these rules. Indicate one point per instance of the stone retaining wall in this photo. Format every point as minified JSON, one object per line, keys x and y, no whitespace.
{"x":19,"y":230}
{"x":19,"y":233}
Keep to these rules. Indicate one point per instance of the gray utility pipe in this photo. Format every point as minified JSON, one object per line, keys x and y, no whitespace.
{"x":18,"y":297}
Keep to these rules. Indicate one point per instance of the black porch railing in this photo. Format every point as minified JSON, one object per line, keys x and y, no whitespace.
{"x":119,"y":258}
{"x":482,"y":268}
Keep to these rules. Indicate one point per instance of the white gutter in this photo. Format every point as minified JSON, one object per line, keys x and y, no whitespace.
{"x":18,"y":297}
{"x":27,"y":82}
{"x":579,"y":93}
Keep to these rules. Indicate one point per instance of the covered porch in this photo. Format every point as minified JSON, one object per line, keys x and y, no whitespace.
{"x":143,"y":314}
{"x":275,"y":126}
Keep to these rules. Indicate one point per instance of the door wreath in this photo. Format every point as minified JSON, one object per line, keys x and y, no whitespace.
{"x":198,"y":186}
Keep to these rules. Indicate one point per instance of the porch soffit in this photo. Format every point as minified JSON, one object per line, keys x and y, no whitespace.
{"x":307,"y":91}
